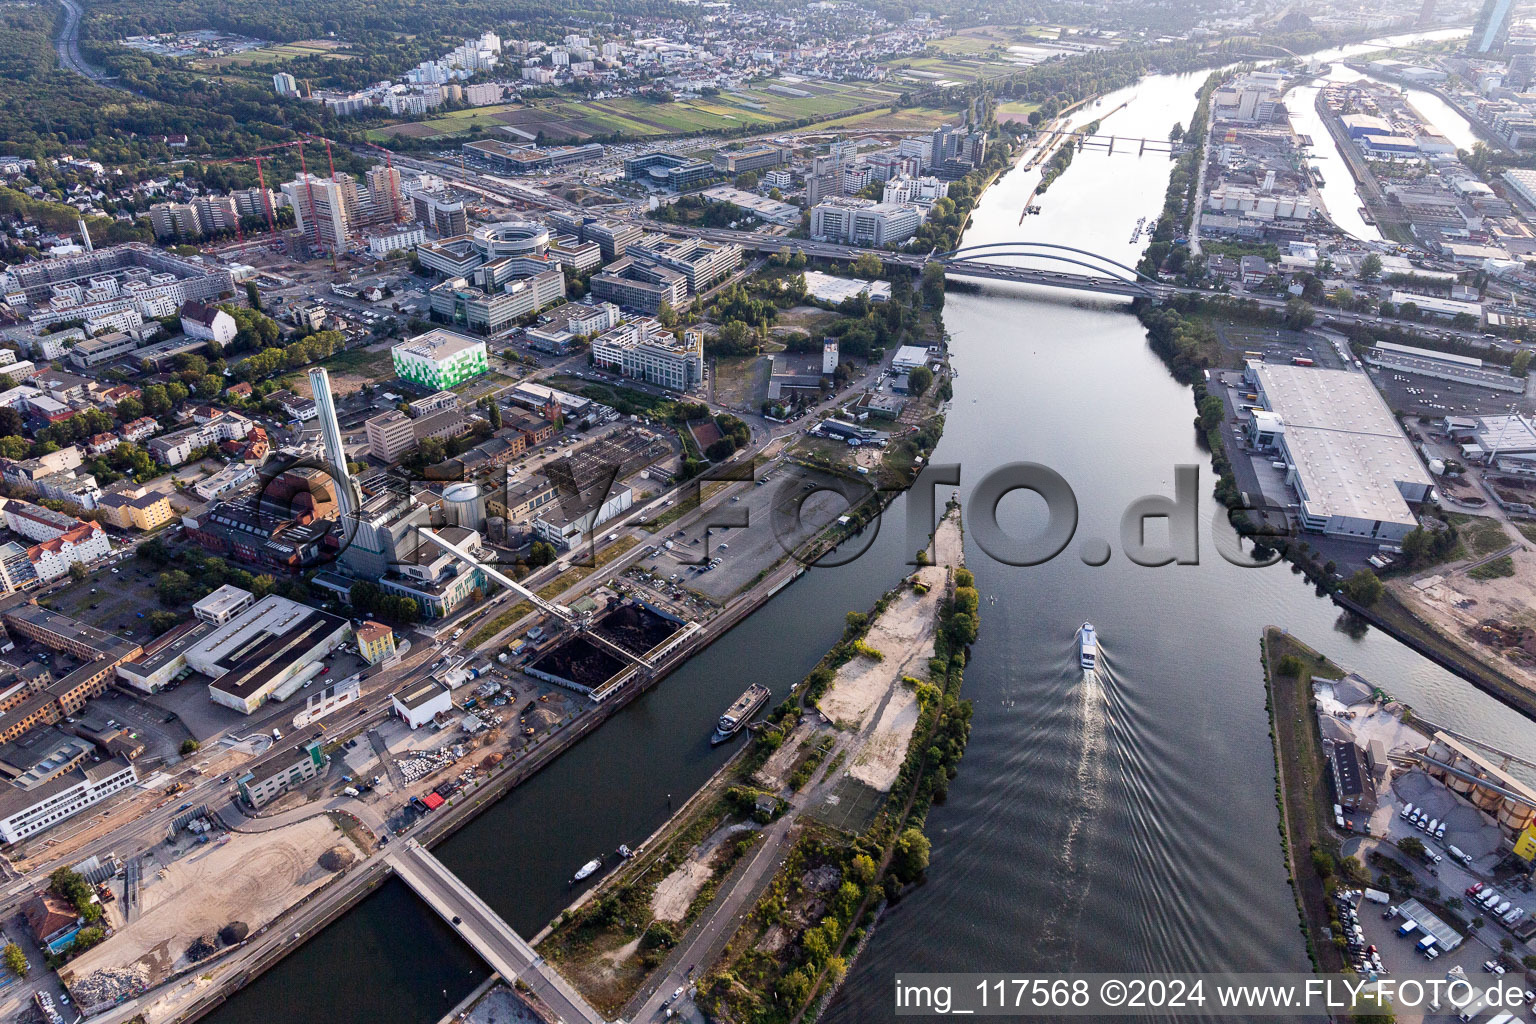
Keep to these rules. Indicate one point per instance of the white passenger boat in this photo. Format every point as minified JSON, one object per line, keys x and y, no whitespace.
{"x":1087,"y":647}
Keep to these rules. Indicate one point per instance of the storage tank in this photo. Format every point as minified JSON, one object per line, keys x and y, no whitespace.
{"x":464,"y":505}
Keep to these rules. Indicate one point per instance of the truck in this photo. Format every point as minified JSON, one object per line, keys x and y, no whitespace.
{"x":1408,"y":926}
{"x":1301,"y":361}
{"x":1376,"y":896}
{"x":1426,"y":942}
{"x":351,"y":791}
{"x":1470,"y":1010}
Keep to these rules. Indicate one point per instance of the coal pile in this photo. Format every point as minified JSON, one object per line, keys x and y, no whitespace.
{"x":581,"y":662}
{"x":635,"y":627}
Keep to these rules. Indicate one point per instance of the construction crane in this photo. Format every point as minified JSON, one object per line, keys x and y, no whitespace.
{"x":580,"y":623}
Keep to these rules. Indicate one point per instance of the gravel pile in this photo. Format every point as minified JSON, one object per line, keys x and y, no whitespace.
{"x":110,"y":985}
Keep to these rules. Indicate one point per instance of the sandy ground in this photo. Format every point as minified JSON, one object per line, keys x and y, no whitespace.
{"x":870,"y":697}
{"x":252,"y":878}
{"x":675,"y":892}
{"x":1452,"y":601}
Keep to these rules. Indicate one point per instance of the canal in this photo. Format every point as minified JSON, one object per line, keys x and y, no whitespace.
{"x":1127,"y":823}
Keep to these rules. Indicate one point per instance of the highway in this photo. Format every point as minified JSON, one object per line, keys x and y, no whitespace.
{"x":68,"y":45}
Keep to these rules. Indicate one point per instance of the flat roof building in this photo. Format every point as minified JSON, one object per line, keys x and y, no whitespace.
{"x":419,"y":702}
{"x":439,"y":359}
{"x":272,"y":643}
{"x":1353,"y":469}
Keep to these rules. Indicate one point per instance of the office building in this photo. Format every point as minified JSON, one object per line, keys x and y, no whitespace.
{"x":285,"y":85}
{"x":864,"y":222}
{"x":176,"y":447}
{"x":640,"y":284}
{"x":439,"y":359}
{"x":755,"y":157}
{"x":446,"y":218}
{"x":514,"y":288}
{"x":646,"y":350}
{"x":276,"y":776}
{"x":668,"y":171}
{"x":1353,"y":470}
{"x":701,"y":262}
{"x":25,"y":812}
{"x":558,"y":331}
{"x":528,"y":158}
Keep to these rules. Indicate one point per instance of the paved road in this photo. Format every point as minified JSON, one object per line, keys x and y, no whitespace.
{"x":490,"y":936}
{"x":68,"y":46}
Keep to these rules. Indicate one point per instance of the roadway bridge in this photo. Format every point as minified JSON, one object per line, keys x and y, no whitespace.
{"x":486,"y":932}
{"x":1090,"y":271}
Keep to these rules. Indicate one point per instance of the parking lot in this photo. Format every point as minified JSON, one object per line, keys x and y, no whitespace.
{"x":785,"y":507}
{"x":1418,"y":395}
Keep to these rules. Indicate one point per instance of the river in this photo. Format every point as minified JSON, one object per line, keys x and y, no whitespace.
{"x":1127,"y":823}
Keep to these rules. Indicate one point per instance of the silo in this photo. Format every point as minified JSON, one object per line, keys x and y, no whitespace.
{"x":464,"y":505}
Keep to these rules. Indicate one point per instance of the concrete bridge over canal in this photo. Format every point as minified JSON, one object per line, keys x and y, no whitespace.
{"x":487,"y":933}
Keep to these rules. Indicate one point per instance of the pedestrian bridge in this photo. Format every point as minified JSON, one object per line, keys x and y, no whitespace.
{"x":485,"y":931}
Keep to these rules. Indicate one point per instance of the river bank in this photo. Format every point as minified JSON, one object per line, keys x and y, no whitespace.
{"x":858,"y":715}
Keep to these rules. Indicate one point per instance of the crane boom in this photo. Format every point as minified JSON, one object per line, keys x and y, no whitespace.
{"x":557,"y":610}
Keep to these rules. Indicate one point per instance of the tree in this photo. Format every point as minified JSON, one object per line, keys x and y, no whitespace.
{"x":15,"y":960}
{"x":746,"y":181}
{"x":541,"y":554}
{"x":868,"y":266}
{"x":909,"y":856}
{"x":933,"y":285}
{"x":77,"y":571}
{"x":1363,"y":588}
{"x":189,"y":747}
{"x":720,"y":449}
{"x":1370,"y":267}
{"x":1413,"y":846}
{"x":1299,"y":314}
{"x":919,"y":379}
{"x":1176,"y":133}
{"x":863,"y":869}
{"x":1521,"y":364}
{"x":666,"y":315}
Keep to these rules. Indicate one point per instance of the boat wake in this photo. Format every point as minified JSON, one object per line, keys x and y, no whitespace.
{"x":1082,"y":809}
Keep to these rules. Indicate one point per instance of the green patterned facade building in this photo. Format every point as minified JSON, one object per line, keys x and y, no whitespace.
{"x":439,"y":360}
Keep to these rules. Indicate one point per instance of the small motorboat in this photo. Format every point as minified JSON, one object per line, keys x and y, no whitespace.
{"x":625,"y":851}
{"x":588,"y":869}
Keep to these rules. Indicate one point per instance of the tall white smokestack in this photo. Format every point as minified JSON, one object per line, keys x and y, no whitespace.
{"x":85,"y":236}
{"x":330,"y":437}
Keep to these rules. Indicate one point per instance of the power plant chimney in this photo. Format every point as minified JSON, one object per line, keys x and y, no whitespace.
{"x":85,"y":236}
{"x":330,"y":437}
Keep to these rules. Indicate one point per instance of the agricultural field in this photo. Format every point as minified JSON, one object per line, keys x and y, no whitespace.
{"x":976,"y":41}
{"x":906,"y":119}
{"x":763,"y":104}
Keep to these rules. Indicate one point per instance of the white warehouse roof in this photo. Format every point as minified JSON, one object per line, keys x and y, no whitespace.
{"x":1349,"y":453}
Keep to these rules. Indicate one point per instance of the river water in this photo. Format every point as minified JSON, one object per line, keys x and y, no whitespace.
{"x":1123,"y":822}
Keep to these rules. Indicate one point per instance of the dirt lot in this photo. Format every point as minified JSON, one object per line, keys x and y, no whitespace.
{"x":1455,"y":603}
{"x":870,"y":696}
{"x":252,"y":878}
{"x":674,"y":893}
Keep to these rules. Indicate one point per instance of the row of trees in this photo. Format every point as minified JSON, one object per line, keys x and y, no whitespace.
{"x":371,"y":599}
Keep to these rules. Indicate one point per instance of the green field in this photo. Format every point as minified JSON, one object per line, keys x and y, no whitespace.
{"x":638,"y":118}
{"x":907,"y":119}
